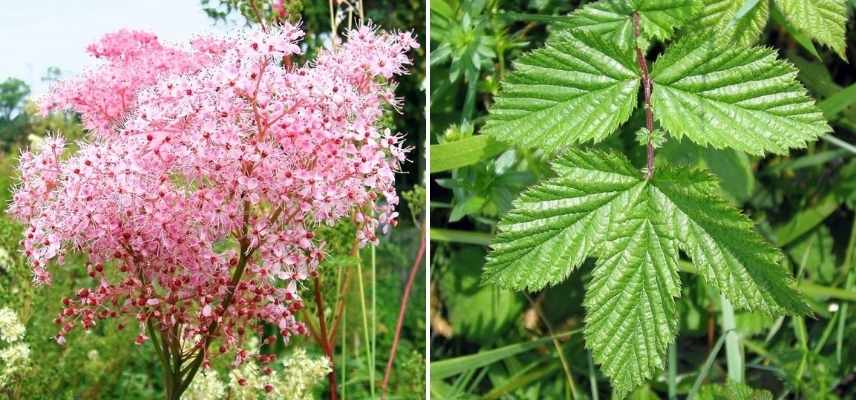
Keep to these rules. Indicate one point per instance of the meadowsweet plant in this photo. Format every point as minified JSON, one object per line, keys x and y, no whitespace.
{"x":206,"y":170}
{"x":638,"y":220}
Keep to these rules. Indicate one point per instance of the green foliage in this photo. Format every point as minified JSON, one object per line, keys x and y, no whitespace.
{"x":469,"y":49}
{"x":476,"y":311}
{"x":579,"y":88}
{"x":13,"y":120}
{"x":12,"y":94}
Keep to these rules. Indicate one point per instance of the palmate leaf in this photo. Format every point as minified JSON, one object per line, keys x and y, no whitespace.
{"x":722,"y":95}
{"x":577,"y":88}
{"x":600,"y":206}
{"x":823,"y":20}
{"x":613,"y":19}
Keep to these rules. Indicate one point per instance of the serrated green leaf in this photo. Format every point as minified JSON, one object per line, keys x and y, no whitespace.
{"x":723,"y":244}
{"x":555,"y":224}
{"x":720,"y":95}
{"x":578,"y":88}
{"x":631,"y":315}
{"x":738,"y":20}
{"x":823,"y":20}
{"x":613,"y":19}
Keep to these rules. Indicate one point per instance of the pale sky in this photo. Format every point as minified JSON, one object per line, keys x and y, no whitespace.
{"x":37,"y":34}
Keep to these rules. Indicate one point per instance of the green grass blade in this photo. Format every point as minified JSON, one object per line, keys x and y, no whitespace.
{"x":838,"y":102}
{"x":468,"y":237}
{"x":806,"y":220}
{"x":453,"y":366}
{"x":705,"y":369}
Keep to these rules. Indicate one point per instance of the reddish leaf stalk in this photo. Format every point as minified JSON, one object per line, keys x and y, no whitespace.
{"x":402,"y":309}
{"x":646,"y":90}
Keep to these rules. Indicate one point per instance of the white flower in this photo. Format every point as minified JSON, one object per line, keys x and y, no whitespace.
{"x":205,"y":386}
{"x":245,"y":383}
{"x":11,"y":329}
{"x":13,"y":359}
{"x":300,"y":374}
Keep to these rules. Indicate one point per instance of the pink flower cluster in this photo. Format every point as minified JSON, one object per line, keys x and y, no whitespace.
{"x":208,"y":171}
{"x":135,"y":60}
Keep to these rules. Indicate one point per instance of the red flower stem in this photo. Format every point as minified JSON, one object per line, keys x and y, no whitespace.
{"x":402,"y":309}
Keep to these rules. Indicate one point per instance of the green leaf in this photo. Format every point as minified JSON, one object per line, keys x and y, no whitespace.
{"x":721,"y":95}
{"x":823,"y":20}
{"x":798,"y":35}
{"x":732,"y":391}
{"x":472,"y":205}
{"x":578,"y":88}
{"x":460,"y":153}
{"x":631,"y":315}
{"x":555,"y":224}
{"x":613,"y":19}
{"x":723,"y":244}
{"x":742,"y":21}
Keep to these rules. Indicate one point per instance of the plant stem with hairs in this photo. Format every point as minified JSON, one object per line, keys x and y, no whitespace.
{"x":646,"y":91}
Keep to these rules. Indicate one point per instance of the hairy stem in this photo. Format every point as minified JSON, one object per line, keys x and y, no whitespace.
{"x":417,"y":263}
{"x":646,"y":90}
